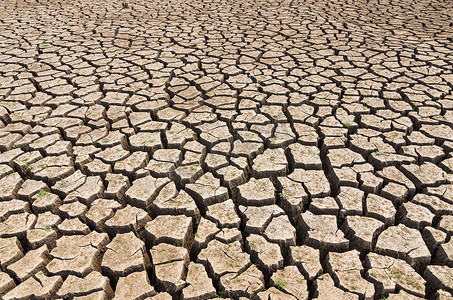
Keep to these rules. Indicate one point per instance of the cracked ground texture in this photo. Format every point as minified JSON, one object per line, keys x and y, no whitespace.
{"x":239,"y":149}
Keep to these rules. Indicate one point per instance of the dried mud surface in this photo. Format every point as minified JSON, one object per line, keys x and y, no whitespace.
{"x":236,"y":149}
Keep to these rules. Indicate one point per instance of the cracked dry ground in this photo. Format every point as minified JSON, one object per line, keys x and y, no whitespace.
{"x":237,"y":149}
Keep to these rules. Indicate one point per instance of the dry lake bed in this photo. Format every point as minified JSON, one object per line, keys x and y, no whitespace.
{"x":234,"y":149}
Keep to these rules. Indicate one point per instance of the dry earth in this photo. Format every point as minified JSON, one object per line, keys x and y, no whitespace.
{"x":238,"y":149}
